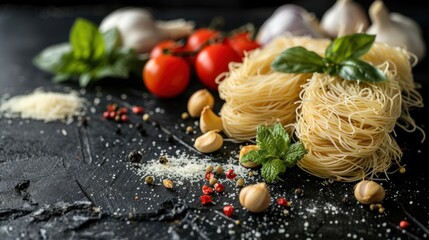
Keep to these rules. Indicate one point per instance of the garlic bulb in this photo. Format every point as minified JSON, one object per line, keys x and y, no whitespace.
{"x":209,"y":142}
{"x":140,"y":31}
{"x":289,"y":19}
{"x":396,"y":29}
{"x":198,"y":101}
{"x":209,"y":120}
{"x":345,"y":17}
{"x":255,"y":198}
{"x":245,"y":150}
{"x":367,"y":192}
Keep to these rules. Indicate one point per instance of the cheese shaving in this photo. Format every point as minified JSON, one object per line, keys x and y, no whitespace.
{"x":46,"y":106}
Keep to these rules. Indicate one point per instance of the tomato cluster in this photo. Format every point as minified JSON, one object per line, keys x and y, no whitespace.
{"x":208,"y":51}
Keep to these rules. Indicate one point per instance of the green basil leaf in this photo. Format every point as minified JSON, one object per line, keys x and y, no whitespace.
{"x":258,"y":156}
{"x":297,"y":60}
{"x":351,"y":46}
{"x":295,"y":153}
{"x":52,"y":58}
{"x":87,"y":42}
{"x":112,"y":39}
{"x":354,"y":69}
{"x":271,"y":170}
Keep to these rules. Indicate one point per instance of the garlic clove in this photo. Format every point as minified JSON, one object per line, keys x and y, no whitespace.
{"x":255,"y":198}
{"x":245,"y":150}
{"x":209,"y":142}
{"x":396,"y":29}
{"x":345,"y":17}
{"x":209,"y":120}
{"x":175,"y":29}
{"x":367,"y":192}
{"x":198,"y":101}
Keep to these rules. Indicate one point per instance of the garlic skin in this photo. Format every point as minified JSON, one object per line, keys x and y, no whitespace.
{"x":209,"y":120}
{"x":140,"y":31}
{"x":255,"y":198}
{"x":209,"y":142}
{"x":291,"y":20}
{"x":396,"y":29}
{"x":344,"y":18}
{"x":245,"y":150}
{"x":368,"y":192}
{"x":198,"y":101}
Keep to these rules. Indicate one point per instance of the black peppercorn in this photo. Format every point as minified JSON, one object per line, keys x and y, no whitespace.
{"x":156,"y":124}
{"x":169,"y":138}
{"x":345,"y":201}
{"x":163,"y":159}
{"x":135,"y":156}
{"x":299,"y":192}
{"x":84,"y":121}
{"x":139,"y":126}
{"x":118,"y":131}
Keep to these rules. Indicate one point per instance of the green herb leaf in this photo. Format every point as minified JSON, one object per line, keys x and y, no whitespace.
{"x":354,"y":69}
{"x":297,"y":60}
{"x":52,"y":58}
{"x":86,"y":41}
{"x":295,"y":153}
{"x":256,"y":156}
{"x":271,"y":170}
{"x":112,"y":39}
{"x":351,"y":46}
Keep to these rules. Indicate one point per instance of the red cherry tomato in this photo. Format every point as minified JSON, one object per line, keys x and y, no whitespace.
{"x":166,"y":76}
{"x":241,"y":43}
{"x":200,"y":37}
{"x":170,"y":45}
{"x":212,"y":61}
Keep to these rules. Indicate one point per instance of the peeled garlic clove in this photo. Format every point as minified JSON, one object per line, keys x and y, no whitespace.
{"x":209,"y":120}
{"x":245,"y":150}
{"x":367,"y":192}
{"x":345,"y":17}
{"x":198,"y":101}
{"x":255,"y":198}
{"x":396,"y":29}
{"x":209,"y":142}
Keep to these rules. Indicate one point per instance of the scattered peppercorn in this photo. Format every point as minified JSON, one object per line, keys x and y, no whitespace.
{"x":112,"y":115}
{"x":402,"y":170}
{"x":213,"y":181}
{"x":112,"y":107}
{"x":373,"y":207}
{"x":169,"y":138}
{"x":139,"y":126}
{"x":298,"y":192}
{"x":219,"y":187}
{"x":106,"y":115}
{"x":345,"y":200}
{"x":230,"y":174}
{"x":219,"y":169}
{"x":84,"y":121}
{"x":283,"y":202}
{"x":117,"y":118}
{"x":148,"y":180}
{"x":118,"y":130}
{"x":123,"y":110}
{"x":189,"y":129}
{"x":184,"y":115}
{"x":205,"y":199}
{"x":167,"y":183}
{"x":240,"y":182}
{"x":207,"y":190}
{"x":156,"y":124}
{"x":228,"y":210}
{"x":137,"y":109}
{"x":163,"y":159}
{"x":404,"y":224}
{"x":135,"y":156}
{"x":209,"y":169}
{"x":146,"y":117}
{"x":209,"y":176}
{"x":381,"y":210}
{"x":124,"y":118}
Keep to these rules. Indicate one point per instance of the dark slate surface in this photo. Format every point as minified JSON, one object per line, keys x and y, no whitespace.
{"x":61,"y":181}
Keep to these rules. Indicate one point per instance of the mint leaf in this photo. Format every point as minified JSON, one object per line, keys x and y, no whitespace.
{"x":354,"y":69}
{"x":298,"y":60}
{"x":86,"y":41}
{"x":263,"y":137}
{"x":351,"y":46}
{"x":295,"y":153}
{"x":271,"y":169}
{"x":279,"y":140}
{"x":257,"y":156}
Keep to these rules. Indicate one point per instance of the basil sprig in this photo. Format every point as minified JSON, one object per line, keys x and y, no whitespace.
{"x":89,"y":56}
{"x":341,"y":58}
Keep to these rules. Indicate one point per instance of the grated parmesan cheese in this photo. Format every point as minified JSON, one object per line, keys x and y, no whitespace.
{"x":185,"y":167}
{"x":46,"y":106}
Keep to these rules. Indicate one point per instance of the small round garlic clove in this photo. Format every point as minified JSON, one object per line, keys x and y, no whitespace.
{"x":255,"y":198}
{"x":209,"y":142}
{"x":367,"y":192}
{"x":396,"y":29}
{"x":345,"y":17}
{"x":245,"y":150}
{"x":198,"y":101}
{"x":209,"y":120}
